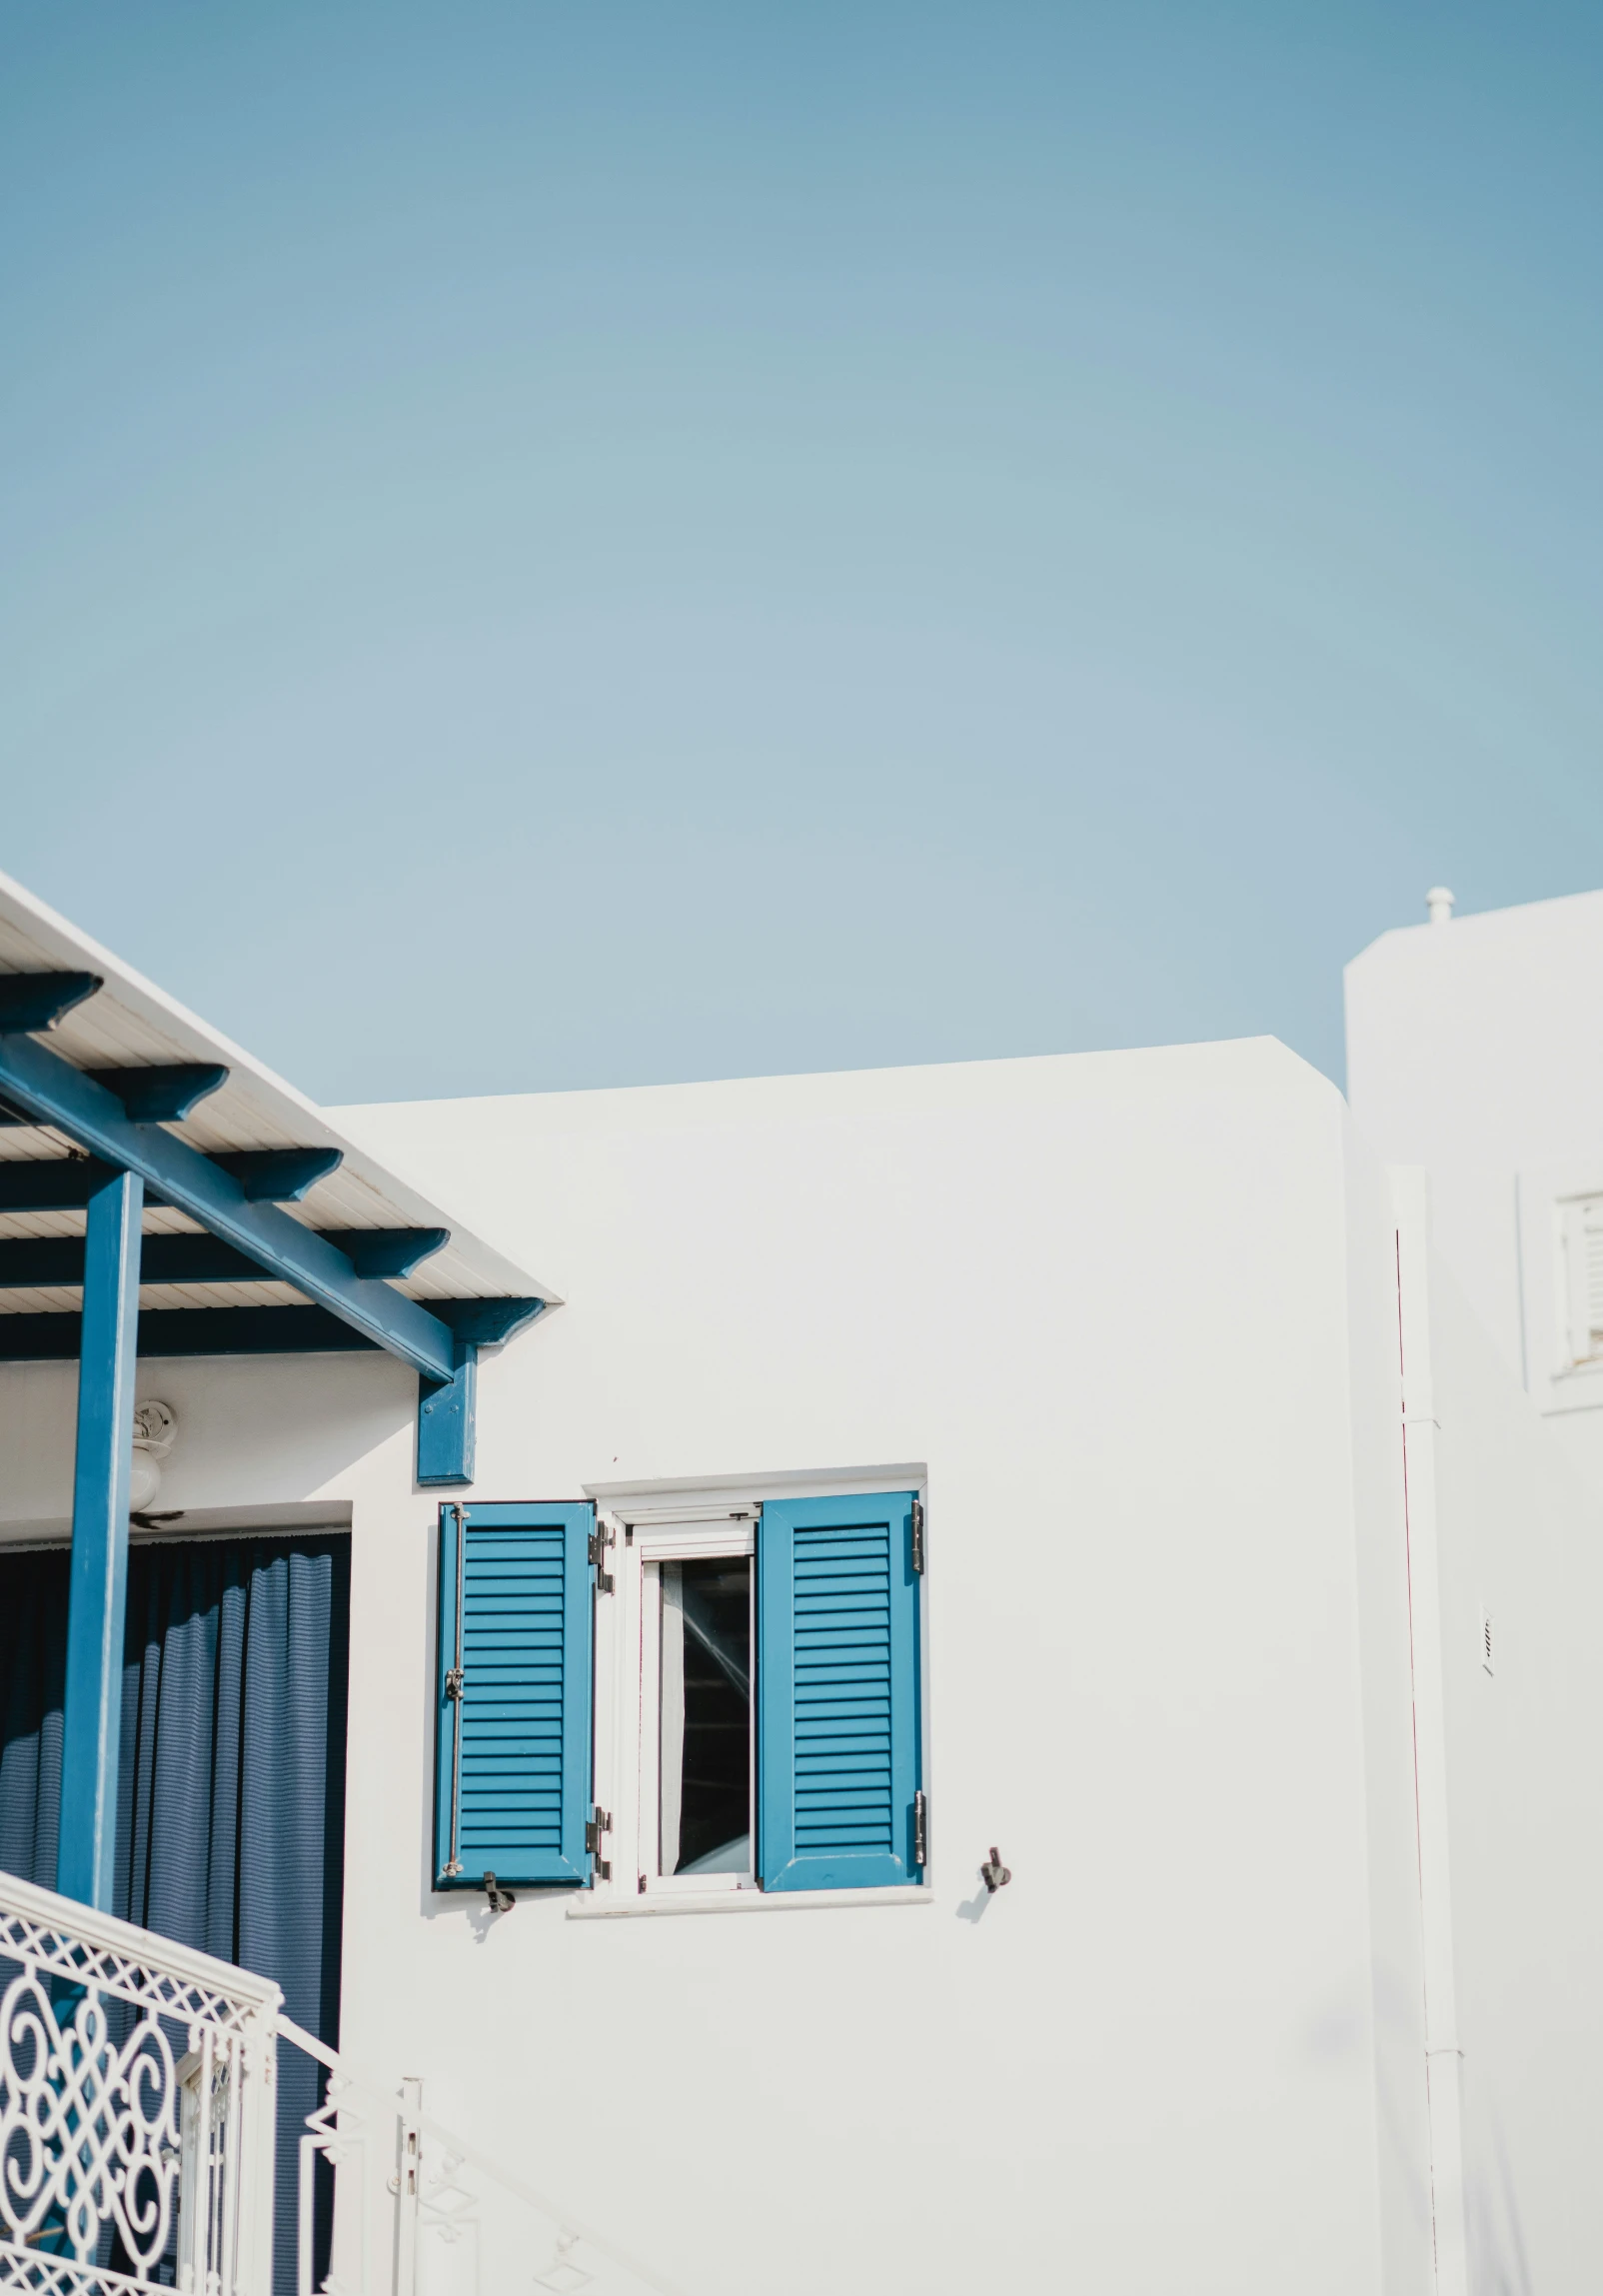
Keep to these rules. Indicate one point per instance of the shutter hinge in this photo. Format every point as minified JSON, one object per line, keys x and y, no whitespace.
{"x":595,"y":1828}
{"x":600,"y":1538}
{"x":920,"y":1828}
{"x":919,"y":1536}
{"x":454,"y":1682}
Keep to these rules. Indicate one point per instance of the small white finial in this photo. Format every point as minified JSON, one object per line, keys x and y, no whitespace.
{"x":1439,"y":904}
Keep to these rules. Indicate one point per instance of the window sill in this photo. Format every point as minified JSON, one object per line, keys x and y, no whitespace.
{"x":591,"y":1905}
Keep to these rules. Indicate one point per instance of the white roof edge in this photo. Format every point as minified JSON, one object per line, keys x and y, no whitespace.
{"x":79,"y":954}
{"x":1469,"y":919}
{"x":914,"y":1074}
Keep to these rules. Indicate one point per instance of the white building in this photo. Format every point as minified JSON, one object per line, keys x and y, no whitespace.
{"x":1081,"y":1467}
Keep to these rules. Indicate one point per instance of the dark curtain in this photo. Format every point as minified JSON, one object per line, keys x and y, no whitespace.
{"x":231,"y":1803}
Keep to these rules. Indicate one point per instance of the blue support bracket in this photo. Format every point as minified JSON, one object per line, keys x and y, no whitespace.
{"x":162,"y":1095}
{"x":39,"y":999}
{"x":151,"y":1096}
{"x":447,"y":1409}
{"x":98,"y":1582}
{"x":388,"y":1250}
{"x":278,"y":1176}
{"x":489,"y":1322}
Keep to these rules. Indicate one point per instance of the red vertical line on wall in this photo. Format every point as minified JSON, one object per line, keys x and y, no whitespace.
{"x":1413,"y":1719}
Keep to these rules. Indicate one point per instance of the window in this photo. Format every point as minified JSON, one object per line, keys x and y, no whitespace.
{"x":691,"y":1586}
{"x":755,"y":1681}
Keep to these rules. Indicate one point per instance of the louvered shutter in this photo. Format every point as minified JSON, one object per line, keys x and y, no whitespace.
{"x":838,"y":1692}
{"x":512,"y":1774}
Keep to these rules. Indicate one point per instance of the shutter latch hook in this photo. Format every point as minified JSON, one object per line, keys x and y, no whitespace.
{"x":995,"y":1874}
{"x":500,"y":1900}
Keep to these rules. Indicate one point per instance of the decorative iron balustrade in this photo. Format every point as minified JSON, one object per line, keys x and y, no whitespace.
{"x":137,"y":2091}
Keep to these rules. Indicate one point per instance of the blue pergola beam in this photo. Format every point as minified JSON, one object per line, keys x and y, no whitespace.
{"x":98,"y":1582}
{"x":54,"y":1092}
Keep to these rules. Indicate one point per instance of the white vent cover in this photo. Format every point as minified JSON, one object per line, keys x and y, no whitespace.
{"x":1486,"y":1641}
{"x":1581,"y":1250}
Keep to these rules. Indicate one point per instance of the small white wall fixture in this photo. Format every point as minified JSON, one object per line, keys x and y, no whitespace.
{"x":155,"y":1433}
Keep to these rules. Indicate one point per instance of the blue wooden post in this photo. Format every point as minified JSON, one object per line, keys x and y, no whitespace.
{"x":87,"y":1845}
{"x":447,"y":1410}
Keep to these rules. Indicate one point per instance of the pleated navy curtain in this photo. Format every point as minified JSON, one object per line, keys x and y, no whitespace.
{"x":231,"y":1804}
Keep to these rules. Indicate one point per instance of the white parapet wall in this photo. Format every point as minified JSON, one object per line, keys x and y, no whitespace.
{"x":1472,"y":1051}
{"x":1520,"y":1550}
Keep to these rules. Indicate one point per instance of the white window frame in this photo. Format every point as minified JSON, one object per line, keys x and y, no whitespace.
{"x":644,"y":1549}
{"x":678,"y":1522}
{"x":1554,"y":1379}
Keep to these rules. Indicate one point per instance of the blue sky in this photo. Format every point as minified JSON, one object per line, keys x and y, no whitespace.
{"x":552,"y":547}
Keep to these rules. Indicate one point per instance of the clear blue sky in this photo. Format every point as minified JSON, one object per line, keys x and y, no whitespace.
{"x":548,"y":545}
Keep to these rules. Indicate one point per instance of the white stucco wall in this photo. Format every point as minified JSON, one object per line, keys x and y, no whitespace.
{"x":1130,"y":1311}
{"x":1472,"y":1051}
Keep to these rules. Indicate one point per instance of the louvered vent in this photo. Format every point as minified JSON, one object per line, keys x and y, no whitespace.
{"x":1592,"y":1245}
{"x":1486,"y":1641}
{"x":512,"y":1712}
{"x":1580,"y":1221}
{"x":843,"y":1690}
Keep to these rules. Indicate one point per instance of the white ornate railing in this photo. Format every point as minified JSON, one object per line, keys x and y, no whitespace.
{"x":138,"y":2082}
{"x":136,"y":2107}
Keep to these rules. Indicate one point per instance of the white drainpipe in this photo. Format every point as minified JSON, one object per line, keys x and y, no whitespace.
{"x":1443,"y":2056}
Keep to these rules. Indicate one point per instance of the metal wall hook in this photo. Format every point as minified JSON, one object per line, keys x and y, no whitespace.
{"x":500,"y":1900}
{"x":995,"y":1874}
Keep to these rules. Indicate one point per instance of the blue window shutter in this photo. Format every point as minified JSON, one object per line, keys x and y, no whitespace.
{"x":512,"y":1768}
{"x":838,"y":1692}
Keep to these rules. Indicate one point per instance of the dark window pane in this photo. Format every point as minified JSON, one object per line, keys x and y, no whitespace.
{"x":706,"y":1716}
